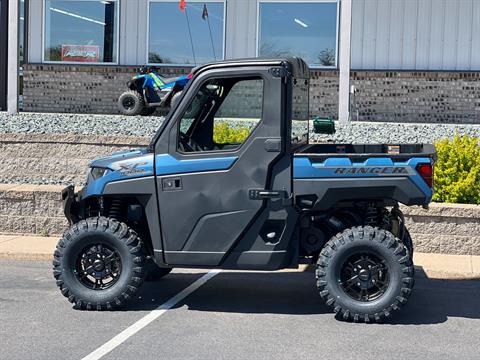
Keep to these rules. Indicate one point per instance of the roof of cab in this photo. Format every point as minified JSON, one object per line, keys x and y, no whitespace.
{"x":297,"y":66}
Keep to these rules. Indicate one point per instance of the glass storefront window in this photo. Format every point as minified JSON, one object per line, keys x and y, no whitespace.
{"x":304,"y":29}
{"x":190,"y":37}
{"x":84,"y":31}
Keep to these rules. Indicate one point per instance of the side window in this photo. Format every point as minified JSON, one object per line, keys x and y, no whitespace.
{"x":222,"y":115}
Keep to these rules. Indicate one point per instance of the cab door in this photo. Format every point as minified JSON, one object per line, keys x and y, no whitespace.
{"x":224,"y":185}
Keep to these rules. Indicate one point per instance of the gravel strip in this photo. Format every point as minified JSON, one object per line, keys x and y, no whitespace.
{"x":374,"y":132}
{"x":118,"y":125}
{"x":79,"y":124}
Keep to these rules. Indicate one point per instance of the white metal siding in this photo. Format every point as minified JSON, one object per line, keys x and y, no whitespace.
{"x":241,"y":29}
{"x":416,"y":34}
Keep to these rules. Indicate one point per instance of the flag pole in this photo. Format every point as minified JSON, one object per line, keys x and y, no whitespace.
{"x":191,"y":39}
{"x":211,"y":37}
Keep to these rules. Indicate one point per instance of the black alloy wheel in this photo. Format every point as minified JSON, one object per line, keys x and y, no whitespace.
{"x":364,"y":276}
{"x":98,"y":267}
{"x":128,"y":103}
{"x":99,"y":264}
{"x":131,"y":103}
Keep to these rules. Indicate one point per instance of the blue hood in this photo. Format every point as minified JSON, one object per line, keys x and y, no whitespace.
{"x":122,"y":166}
{"x":111,"y":160}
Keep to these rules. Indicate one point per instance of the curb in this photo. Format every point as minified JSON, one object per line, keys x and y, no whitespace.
{"x":435,"y":266}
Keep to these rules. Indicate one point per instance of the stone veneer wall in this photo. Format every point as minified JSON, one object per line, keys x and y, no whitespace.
{"x":444,"y":228}
{"x":56,"y":158}
{"x":400,"y":96}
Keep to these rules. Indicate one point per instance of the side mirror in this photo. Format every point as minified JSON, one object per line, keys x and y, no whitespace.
{"x":323,"y":126}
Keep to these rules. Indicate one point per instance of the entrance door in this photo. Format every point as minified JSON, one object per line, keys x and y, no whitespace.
{"x":223,"y":187}
{"x":3,"y":53}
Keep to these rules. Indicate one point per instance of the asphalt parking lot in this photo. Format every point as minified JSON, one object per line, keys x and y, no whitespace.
{"x":234,"y":315}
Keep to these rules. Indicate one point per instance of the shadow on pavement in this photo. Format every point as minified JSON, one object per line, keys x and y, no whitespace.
{"x":433,"y":301}
{"x":293,"y":293}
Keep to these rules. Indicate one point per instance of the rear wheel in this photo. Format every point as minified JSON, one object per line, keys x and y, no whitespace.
{"x":147,"y":111}
{"x":175,"y":99}
{"x":131,"y":103}
{"x":365,"y":274}
{"x":99,"y":264}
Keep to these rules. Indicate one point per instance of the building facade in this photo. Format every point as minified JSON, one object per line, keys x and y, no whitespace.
{"x":3,"y":53}
{"x":409,"y":60}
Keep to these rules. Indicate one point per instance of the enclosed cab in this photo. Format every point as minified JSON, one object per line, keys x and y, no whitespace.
{"x":260,"y":199}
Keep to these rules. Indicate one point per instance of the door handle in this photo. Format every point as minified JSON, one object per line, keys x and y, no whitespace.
{"x":261,"y":194}
{"x":172,"y":184}
{"x":273,"y":145}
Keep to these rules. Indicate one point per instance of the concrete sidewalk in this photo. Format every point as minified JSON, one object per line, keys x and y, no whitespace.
{"x":17,"y":247}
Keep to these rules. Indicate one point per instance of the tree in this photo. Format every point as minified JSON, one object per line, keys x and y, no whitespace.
{"x":155,"y":58}
{"x":327,"y":57}
{"x":273,"y":50}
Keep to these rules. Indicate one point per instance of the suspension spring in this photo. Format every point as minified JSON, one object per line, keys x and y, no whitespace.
{"x":116,"y":208}
{"x":371,"y":216}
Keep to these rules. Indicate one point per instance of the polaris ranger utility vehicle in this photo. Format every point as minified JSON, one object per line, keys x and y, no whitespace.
{"x":269,"y":202}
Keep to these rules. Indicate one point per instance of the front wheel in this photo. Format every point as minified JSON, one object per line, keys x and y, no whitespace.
{"x":131,"y":103}
{"x":365,"y":274}
{"x":99,"y":264}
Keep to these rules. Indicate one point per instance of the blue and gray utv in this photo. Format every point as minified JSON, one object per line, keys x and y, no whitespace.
{"x":149,"y":90}
{"x":266,"y":201}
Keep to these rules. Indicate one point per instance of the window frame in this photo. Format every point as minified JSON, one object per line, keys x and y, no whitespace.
{"x":337,"y":35}
{"x":149,"y":2}
{"x":117,"y":30}
{"x":177,"y":124}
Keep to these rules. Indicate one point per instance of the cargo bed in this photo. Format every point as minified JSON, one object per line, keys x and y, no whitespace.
{"x":398,"y":152}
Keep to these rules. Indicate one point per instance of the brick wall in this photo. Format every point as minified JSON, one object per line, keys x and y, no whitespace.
{"x":78,"y":88}
{"x":324,"y":93}
{"x":400,"y":96}
{"x":406,"y":96}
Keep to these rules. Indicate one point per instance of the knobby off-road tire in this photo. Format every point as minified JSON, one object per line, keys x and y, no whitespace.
{"x":90,"y":242}
{"x":175,"y":99}
{"x":408,"y":242}
{"x":337,"y":259}
{"x":147,"y":111}
{"x":131,"y":103}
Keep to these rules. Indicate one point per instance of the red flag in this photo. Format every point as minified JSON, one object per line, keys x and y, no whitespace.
{"x":205,"y":12}
{"x":182,"y":5}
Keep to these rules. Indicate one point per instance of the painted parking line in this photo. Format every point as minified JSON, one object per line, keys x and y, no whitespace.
{"x":147,"y":319}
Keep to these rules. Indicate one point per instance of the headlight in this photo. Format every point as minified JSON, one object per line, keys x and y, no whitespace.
{"x":97,"y":172}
